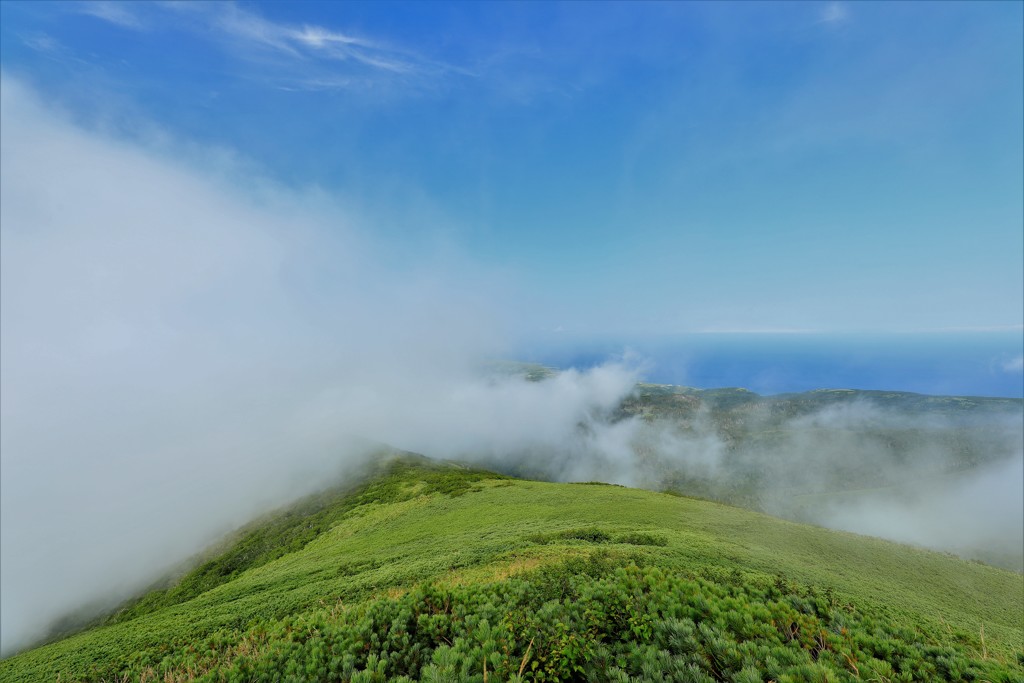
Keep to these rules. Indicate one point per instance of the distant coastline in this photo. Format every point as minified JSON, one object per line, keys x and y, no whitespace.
{"x":946,"y":363}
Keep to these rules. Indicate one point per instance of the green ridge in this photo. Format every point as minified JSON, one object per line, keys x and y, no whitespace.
{"x":429,"y":570}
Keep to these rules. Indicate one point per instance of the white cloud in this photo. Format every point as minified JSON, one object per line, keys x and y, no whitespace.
{"x":303,"y":57}
{"x":318,"y":37}
{"x":42,"y":42}
{"x":122,"y":14}
{"x":1014,"y":364}
{"x":834,"y":13}
{"x":178,"y":355}
{"x":247,"y":27}
{"x":972,"y":514}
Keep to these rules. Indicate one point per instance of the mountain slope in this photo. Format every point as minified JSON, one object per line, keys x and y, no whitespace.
{"x":469,"y":531}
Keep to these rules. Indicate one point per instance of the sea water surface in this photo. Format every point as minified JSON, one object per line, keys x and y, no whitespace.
{"x":946,"y":363}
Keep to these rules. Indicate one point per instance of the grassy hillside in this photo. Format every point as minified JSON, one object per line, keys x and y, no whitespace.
{"x":438,"y":572}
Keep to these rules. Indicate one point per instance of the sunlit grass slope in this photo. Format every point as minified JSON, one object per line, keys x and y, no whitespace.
{"x":437,"y":572}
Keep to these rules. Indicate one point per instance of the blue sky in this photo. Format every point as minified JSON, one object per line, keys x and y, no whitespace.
{"x":630,"y":168}
{"x":234,"y":233}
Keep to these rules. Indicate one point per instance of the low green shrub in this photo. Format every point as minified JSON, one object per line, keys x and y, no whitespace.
{"x":591,"y":618}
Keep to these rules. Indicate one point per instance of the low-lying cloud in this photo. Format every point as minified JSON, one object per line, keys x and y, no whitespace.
{"x":184,"y":347}
{"x":935,"y":479}
{"x":978,"y":515}
{"x":181,"y":351}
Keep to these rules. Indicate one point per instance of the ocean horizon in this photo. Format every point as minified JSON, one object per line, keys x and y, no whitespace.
{"x":946,"y":363}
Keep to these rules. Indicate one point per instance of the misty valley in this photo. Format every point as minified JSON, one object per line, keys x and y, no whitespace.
{"x":435,"y":568}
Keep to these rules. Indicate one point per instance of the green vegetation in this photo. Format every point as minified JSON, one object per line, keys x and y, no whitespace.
{"x":437,"y":572}
{"x":289,"y":531}
{"x":532,"y":372}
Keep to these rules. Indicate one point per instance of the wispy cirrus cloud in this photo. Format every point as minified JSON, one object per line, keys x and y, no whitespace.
{"x":834,"y":13}
{"x":1014,"y":364}
{"x":122,"y":14}
{"x":43,"y":42}
{"x":299,"y":57}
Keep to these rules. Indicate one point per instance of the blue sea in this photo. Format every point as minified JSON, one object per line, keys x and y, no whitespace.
{"x":954,"y":363}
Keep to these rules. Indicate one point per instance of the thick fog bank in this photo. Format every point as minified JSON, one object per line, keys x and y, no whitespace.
{"x":186,"y":345}
{"x":977,"y":515}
